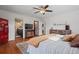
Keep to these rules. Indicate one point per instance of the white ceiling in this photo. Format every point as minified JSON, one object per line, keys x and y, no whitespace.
{"x":28,"y":9}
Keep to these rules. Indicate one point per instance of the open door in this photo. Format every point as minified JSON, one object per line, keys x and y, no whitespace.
{"x":18,"y":29}
{"x":36,"y":28}
{"x":3,"y":31}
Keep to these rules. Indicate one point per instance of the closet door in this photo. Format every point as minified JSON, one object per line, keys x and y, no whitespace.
{"x":3,"y":31}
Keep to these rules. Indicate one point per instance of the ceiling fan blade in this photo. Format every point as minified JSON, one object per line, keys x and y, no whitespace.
{"x":41,"y":7}
{"x":49,"y":11}
{"x":46,"y":6}
{"x":37,"y":12}
{"x":36,"y":8}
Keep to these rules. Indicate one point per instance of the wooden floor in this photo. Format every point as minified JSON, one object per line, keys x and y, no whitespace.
{"x":10,"y":47}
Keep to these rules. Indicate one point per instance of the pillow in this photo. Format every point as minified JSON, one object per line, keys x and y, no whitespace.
{"x":70,"y":37}
{"x":73,"y":35}
{"x":75,"y":42}
{"x":67,"y":38}
{"x":56,"y":37}
{"x":60,"y":36}
{"x":36,"y":40}
{"x":76,"y":39}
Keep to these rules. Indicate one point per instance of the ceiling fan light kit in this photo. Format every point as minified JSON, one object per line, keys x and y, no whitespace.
{"x":42,"y":9}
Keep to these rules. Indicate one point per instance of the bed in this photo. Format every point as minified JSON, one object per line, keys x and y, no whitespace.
{"x":49,"y":46}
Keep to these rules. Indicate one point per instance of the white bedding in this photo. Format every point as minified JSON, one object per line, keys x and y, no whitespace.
{"x":53,"y":47}
{"x":49,"y":46}
{"x":56,"y":37}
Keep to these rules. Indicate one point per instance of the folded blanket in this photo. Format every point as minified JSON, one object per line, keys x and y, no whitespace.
{"x":36,"y":40}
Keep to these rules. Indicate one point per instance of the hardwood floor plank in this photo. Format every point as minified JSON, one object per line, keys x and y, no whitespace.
{"x":10,"y":47}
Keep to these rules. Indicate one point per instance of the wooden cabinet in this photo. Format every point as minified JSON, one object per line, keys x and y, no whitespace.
{"x":62,"y":32}
{"x":29,"y":33}
{"x":3,"y":31}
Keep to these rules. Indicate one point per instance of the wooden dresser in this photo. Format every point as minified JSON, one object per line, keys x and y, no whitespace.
{"x":62,"y":32}
{"x":29,"y":33}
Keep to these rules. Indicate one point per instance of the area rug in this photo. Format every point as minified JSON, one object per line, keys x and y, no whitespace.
{"x":23,"y":47}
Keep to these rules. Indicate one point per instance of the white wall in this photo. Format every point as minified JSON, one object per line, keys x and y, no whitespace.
{"x":10,"y":16}
{"x":71,"y":18}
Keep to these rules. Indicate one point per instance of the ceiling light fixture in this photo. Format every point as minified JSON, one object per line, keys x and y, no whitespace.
{"x":42,"y":9}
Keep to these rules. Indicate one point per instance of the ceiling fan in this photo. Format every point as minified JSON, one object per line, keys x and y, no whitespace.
{"x":42,"y":9}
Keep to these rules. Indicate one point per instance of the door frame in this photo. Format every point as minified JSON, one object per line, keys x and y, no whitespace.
{"x":34,"y":26}
{"x":15,"y":26}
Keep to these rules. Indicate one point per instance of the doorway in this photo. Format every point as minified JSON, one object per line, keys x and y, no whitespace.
{"x":18,"y":29}
{"x":36,"y":28}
